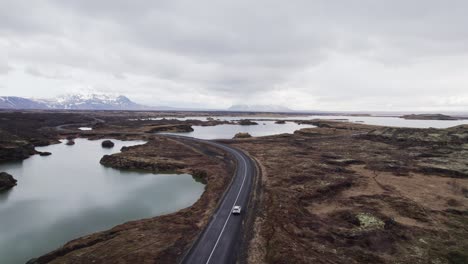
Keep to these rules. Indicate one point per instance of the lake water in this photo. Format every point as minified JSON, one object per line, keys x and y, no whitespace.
{"x":370,"y":120}
{"x":396,"y":121}
{"x":264,"y":128}
{"x":69,"y":194}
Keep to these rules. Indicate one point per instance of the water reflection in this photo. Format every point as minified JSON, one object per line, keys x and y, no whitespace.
{"x":370,"y":120}
{"x":264,"y":128}
{"x":396,"y":121}
{"x":69,"y":194}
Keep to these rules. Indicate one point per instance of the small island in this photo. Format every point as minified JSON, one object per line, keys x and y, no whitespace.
{"x":429,"y":117}
{"x":242,"y":135}
{"x":169,"y":128}
{"x":247,"y":122}
{"x":107,"y":144}
{"x":6,"y":181}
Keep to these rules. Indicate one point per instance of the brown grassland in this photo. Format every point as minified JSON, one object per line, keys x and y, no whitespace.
{"x":338,"y":193}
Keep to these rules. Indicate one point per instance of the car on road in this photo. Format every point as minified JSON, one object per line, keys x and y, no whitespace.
{"x":236,"y":209}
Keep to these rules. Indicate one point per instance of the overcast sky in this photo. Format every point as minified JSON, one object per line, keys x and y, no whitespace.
{"x":324,"y":55}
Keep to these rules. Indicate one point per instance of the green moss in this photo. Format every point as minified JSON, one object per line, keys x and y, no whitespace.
{"x":368,"y":221}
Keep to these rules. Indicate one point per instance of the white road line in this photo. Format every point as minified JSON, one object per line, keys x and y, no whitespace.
{"x":222,"y":230}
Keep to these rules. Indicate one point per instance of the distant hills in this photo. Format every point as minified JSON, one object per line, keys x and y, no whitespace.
{"x":101,"y":101}
{"x":73,"y":102}
{"x":13,"y":102}
{"x":259,"y":108}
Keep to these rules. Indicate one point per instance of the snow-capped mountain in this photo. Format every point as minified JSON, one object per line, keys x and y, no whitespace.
{"x":259,"y":108}
{"x":14,"y":102}
{"x":92,"y":101}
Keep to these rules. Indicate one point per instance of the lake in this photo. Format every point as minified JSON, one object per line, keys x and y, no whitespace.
{"x":70,"y":194}
{"x":264,"y":128}
{"x":396,"y":121}
{"x":370,"y":120}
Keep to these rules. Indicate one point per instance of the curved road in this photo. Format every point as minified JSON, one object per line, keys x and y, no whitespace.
{"x":220,"y":241}
{"x":96,"y":121}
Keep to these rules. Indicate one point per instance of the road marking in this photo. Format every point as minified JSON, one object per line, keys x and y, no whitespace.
{"x":237,"y":154}
{"x":229,"y":216}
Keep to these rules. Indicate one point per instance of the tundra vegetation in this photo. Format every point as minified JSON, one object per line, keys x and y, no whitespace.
{"x":352,"y":193}
{"x":340,"y":192}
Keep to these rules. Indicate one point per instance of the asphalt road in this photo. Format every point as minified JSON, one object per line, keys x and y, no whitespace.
{"x":220,"y":241}
{"x":63,"y":129}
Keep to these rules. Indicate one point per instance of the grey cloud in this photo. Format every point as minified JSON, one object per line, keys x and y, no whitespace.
{"x":49,"y":75}
{"x":231,"y":49}
{"x":5,"y":68}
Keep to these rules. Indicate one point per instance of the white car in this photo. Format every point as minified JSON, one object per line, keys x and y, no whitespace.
{"x":236,"y":209}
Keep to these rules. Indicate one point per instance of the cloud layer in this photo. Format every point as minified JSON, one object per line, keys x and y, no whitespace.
{"x":327,"y":55}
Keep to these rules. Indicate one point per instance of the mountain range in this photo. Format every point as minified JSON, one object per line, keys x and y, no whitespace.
{"x":73,"y":102}
{"x":101,"y":101}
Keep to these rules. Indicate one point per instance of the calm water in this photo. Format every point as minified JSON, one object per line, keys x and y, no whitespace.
{"x":264,"y":128}
{"x":69,"y":194}
{"x":396,"y":121}
{"x":370,"y":120}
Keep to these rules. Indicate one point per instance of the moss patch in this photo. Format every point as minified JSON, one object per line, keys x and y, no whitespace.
{"x":369,"y":222}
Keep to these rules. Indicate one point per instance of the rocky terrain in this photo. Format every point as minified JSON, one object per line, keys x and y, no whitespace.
{"x":162,"y":239}
{"x":107,"y":144}
{"x":14,"y":148}
{"x":338,"y":193}
{"x":20,"y":132}
{"x":6,"y":181}
{"x":351,"y":193}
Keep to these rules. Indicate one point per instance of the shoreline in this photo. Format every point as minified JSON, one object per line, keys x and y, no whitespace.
{"x":333,"y":162}
{"x":172,"y":244}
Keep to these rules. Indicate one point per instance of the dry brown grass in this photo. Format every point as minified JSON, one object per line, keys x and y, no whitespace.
{"x":162,"y":239}
{"x":334,"y":196}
